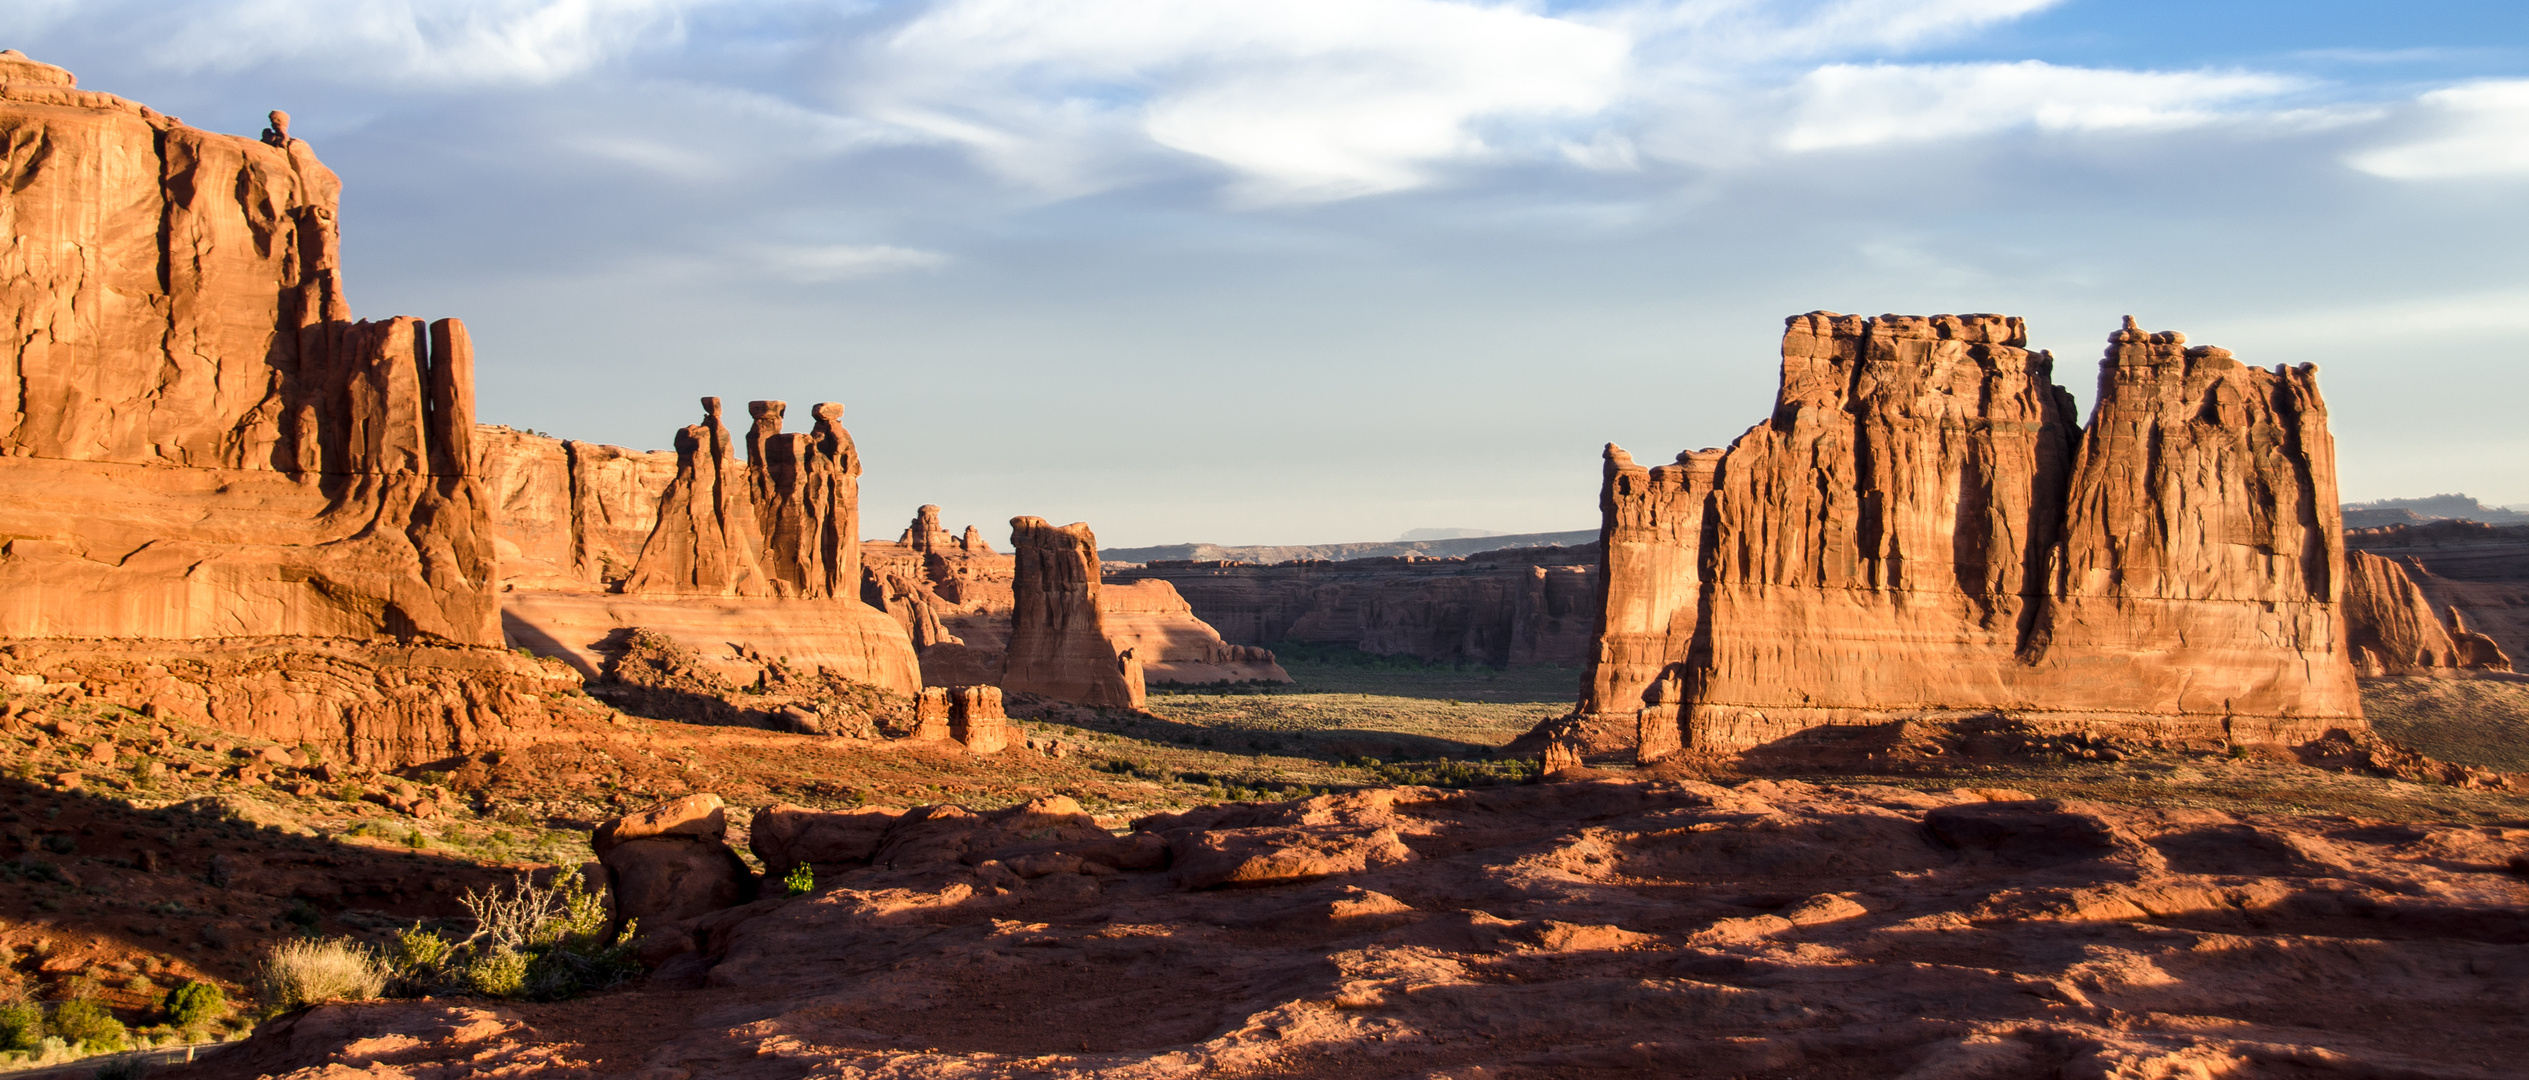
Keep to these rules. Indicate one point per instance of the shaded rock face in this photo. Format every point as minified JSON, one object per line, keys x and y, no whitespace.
{"x":1148,"y":617}
{"x":199,"y":440}
{"x":2394,"y":631}
{"x":2478,"y":573}
{"x":1058,"y":640}
{"x":1924,"y":526}
{"x":1518,"y":606}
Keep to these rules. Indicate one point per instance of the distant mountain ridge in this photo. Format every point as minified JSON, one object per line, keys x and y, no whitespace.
{"x":2379,"y":512}
{"x":1267,"y":553}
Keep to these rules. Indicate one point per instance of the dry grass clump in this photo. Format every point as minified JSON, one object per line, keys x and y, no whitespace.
{"x":302,"y":972}
{"x":2482,"y":722}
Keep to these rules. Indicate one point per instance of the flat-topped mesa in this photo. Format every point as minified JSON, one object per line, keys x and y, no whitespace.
{"x":1059,"y":646}
{"x":1924,"y":527}
{"x":200,"y":441}
{"x":707,"y":542}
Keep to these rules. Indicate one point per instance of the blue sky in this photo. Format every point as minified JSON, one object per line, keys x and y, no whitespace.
{"x":1322,"y":270}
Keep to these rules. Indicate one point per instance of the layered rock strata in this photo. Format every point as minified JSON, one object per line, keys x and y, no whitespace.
{"x":1059,"y":646}
{"x":1148,"y":617}
{"x":970,"y":715}
{"x":2477,"y":573}
{"x":567,"y":514}
{"x":1512,"y":607}
{"x":1925,"y":527}
{"x":199,"y":440}
{"x":2393,"y":630}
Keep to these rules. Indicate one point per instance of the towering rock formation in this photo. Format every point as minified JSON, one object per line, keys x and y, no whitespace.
{"x":1924,"y":526}
{"x":807,"y":497}
{"x":199,"y":440}
{"x":1058,"y":639}
{"x":706,"y":542}
{"x":2394,"y":632}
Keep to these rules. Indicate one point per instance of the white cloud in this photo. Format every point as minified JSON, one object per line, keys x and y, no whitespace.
{"x":1303,"y":99}
{"x":1844,"y":105}
{"x":836,"y":262}
{"x":415,"y":41}
{"x":2482,"y":129}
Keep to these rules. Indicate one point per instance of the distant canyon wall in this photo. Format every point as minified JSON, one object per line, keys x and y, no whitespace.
{"x":2474,"y":577}
{"x":1925,"y":526}
{"x":1519,"y":606}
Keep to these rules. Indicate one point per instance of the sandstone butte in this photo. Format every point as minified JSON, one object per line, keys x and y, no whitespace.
{"x":225,"y":498}
{"x":1924,"y":527}
{"x":1058,"y":640}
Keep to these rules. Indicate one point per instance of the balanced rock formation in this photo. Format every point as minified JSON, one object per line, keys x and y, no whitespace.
{"x":1507,"y":607}
{"x":199,"y":440}
{"x":1924,"y":527}
{"x":1058,"y":640}
{"x":706,"y":540}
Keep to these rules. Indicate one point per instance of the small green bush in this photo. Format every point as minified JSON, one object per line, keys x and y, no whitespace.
{"x":126,"y":1069}
{"x":88,"y":1026}
{"x":196,"y":1004}
{"x":800,"y":881}
{"x":498,"y":972}
{"x":21,"y":1026}
{"x":418,"y":952}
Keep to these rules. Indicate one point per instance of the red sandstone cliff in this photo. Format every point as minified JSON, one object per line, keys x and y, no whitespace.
{"x":1924,"y":526}
{"x":199,"y":439}
{"x":2393,"y":629}
{"x":1058,"y":639}
{"x":2478,"y":573}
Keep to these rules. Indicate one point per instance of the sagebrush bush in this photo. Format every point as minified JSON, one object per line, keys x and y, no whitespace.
{"x":498,"y":972}
{"x":21,"y":1026}
{"x":87,"y":1025}
{"x":302,"y":972}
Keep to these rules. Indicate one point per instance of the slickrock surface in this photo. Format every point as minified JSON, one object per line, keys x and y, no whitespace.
{"x":1924,"y":526}
{"x":199,"y":440}
{"x":2475,"y":571}
{"x":1629,"y":928}
{"x":1059,"y":645}
{"x":2394,"y":630}
{"x":1517,"y":606}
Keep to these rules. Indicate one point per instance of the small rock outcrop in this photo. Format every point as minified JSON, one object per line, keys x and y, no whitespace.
{"x":970,"y":715}
{"x":1059,"y":646}
{"x":672,"y":861}
{"x":1924,"y":525}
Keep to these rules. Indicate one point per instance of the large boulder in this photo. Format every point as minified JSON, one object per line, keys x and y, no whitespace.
{"x":672,"y":862}
{"x":785,"y":836}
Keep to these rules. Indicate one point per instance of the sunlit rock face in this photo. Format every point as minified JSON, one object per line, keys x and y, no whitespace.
{"x":200,"y":440}
{"x":1925,"y":526}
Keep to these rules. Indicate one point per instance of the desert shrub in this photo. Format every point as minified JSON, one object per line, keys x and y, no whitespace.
{"x":800,"y":881}
{"x":126,"y":1069}
{"x":306,"y":971}
{"x":195,"y":1004}
{"x":497,"y":971}
{"x":528,"y":941}
{"x":87,"y":1025}
{"x":21,"y":1026}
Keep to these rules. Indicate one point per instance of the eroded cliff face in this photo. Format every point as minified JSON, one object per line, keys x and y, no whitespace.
{"x":568,"y":514}
{"x":2394,"y":631}
{"x":1059,"y":645}
{"x":2477,"y":573}
{"x":1517,"y":606}
{"x":1159,"y":627}
{"x":199,"y":440}
{"x":1924,"y":526}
